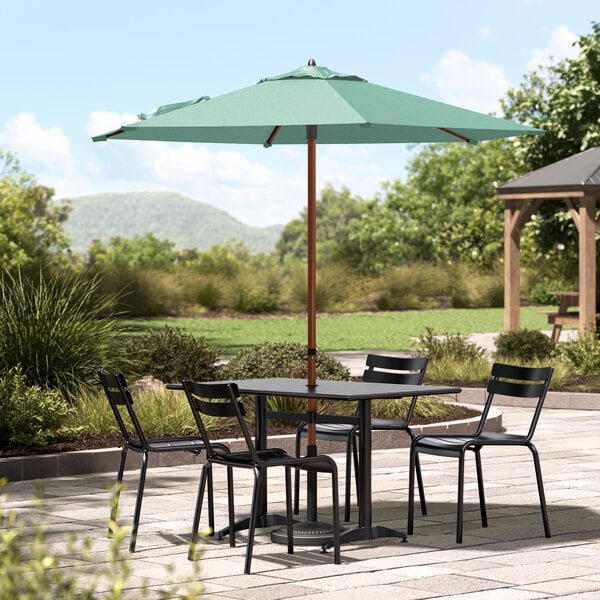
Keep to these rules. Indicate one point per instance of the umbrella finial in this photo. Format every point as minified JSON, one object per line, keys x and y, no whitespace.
{"x":312,"y":62}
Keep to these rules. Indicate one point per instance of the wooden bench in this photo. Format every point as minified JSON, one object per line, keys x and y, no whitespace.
{"x":562,"y":316}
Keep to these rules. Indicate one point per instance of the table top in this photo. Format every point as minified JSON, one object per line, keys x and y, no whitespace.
{"x":334,"y":390}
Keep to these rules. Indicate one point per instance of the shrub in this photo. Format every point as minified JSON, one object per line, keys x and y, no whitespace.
{"x":57,"y":330}
{"x":29,"y":414}
{"x":524,"y":345}
{"x":583,"y":353}
{"x":283,"y":359}
{"x":142,"y":293}
{"x":255,"y":301}
{"x":540,"y":291}
{"x":410,"y":286}
{"x":332,"y":288}
{"x":172,"y":355}
{"x":453,"y":346}
{"x":470,"y":289}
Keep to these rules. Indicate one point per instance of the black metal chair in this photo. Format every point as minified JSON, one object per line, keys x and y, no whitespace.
{"x":134,"y":439}
{"x":221,"y":400}
{"x":398,"y":370}
{"x":507,"y":380}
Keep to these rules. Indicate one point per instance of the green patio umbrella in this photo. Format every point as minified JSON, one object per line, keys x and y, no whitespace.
{"x":305,"y":105}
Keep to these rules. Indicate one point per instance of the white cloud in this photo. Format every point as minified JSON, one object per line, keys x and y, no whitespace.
{"x":465,"y":82}
{"x":38,"y":149}
{"x":560,"y":46}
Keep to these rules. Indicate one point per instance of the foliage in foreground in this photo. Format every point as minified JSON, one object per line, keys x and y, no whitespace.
{"x":56,"y":329}
{"x":33,"y":568}
{"x":582,"y":353}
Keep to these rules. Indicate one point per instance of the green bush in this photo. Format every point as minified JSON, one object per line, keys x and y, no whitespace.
{"x":524,"y":345}
{"x":29,"y":414}
{"x":582,"y":353}
{"x":172,"y":355}
{"x":255,"y":301}
{"x":410,"y":286}
{"x":57,"y":330}
{"x":540,"y":291}
{"x":283,"y":359}
{"x":332,"y":288}
{"x":473,"y":289}
{"x":454,"y":346}
{"x":141,"y":293}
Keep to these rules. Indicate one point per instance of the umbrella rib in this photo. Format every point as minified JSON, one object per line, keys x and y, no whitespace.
{"x":273,"y":135}
{"x":450,"y":132}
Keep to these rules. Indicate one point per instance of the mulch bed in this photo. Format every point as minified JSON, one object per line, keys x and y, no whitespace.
{"x":91,"y":442}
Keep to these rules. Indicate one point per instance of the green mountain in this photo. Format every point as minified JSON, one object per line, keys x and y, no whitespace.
{"x":168,"y":215}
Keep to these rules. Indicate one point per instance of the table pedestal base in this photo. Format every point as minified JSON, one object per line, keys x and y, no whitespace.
{"x":261,"y":521}
{"x":364,"y":534}
{"x":307,"y":533}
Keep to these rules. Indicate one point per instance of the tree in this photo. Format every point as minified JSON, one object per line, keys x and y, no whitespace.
{"x":30,"y":224}
{"x":446,"y":211}
{"x":335,"y":211}
{"x":563,"y":100}
{"x":138,"y":253}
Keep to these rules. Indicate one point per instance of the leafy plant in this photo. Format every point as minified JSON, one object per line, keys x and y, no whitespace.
{"x":540,"y":291}
{"x":29,"y":414}
{"x":454,"y":346}
{"x":282,"y":359}
{"x":33,"y":567}
{"x":524,"y":345}
{"x":172,"y":355}
{"x":255,"y":301}
{"x":583,"y":354}
{"x":57,"y":330}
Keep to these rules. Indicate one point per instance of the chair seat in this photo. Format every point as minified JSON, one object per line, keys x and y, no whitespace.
{"x":452,"y":445}
{"x":388,"y":424}
{"x":173,"y":444}
{"x":330,"y":431}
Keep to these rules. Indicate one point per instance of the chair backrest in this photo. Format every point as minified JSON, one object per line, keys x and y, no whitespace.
{"x":398,"y":369}
{"x":221,"y":401}
{"x":518,"y":382}
{"x":120,"y":399}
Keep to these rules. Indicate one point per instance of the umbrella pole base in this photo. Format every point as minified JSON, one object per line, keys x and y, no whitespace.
{"x":307,"y":533}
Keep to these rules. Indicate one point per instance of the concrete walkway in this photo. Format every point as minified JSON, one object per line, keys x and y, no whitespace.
{"x":510,"y":559}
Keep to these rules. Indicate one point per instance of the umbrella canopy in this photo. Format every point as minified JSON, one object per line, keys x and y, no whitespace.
{"x":347,"y":110}
{"x":302,"y":106}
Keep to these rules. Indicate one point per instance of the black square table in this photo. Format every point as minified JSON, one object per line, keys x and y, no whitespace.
{"x":362,"y":392}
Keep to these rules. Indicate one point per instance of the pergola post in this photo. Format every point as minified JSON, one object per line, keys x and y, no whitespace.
{"x":587,"y":264}
{"x":512,"y":265}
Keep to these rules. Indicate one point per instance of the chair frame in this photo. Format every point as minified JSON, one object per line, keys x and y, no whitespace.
{"x":120,"y":398}
{"x":507,"y":380}
{"x":223,"y":400}
{"x":396,"y":370}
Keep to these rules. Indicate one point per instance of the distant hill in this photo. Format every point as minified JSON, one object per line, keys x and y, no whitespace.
{"x":168,"y":215}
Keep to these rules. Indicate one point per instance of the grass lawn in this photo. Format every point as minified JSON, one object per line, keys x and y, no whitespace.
{"x":353,"y":331}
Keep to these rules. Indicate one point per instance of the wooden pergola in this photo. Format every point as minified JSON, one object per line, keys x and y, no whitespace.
{"x":576,"y":180}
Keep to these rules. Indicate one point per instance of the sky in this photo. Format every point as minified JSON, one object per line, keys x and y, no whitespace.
{"x":74,"y":69}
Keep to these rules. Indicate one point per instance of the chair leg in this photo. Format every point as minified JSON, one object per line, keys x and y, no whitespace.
{"x":211,"y":502}
{"x":482,"y":507}
{"x":421,"y":487}
{"x":206,"y":473}
{"x":411,"y":489}
{"x":138,"y":502}
{"x":540,"y":484}
{"x":460,"y":499}
{"x":297,"y":477}
{"x":252,"y":520}
{"x":349,"y":457}
{"x":231,"y":507}
{"x":118,"y":487}
{"x":336,"y":519}
{"x":288,"y":510}
{"x":356,"y":466}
